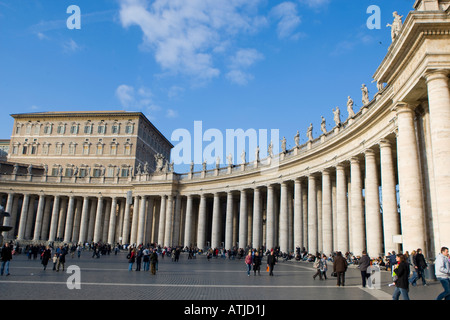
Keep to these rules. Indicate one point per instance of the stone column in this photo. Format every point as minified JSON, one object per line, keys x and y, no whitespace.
{"x":410,"y":182}
{"x":243,"y":220}
{"x":69,"y":219}
{"x":39,"y":216}
{"x":62,"y":218}
{"x":84,"y":220}
{"x":169,"y":222}
{"x":312,"y":215}
{"x":7,"y":220}
{"x":98,"y":220}
{"x":23,"y":217}
{"x":54,"y":219}
{"x":126,"y":222}
{"x":216,"y":222}
{"x":229,"y":222}
{"x":357,"y":210}
{"x":391,"y":217}
{"x":327,"y":213}
{"x":298,"y":215}
{"x":341,"y":210}
{"x":112,"y":222}
{"x":201,"y":231}
{"x":270,"y":218}
{"x":177,"y":221}
{"x":149,"y":220}
{"x":76,"y":221}
{"x":134,"y":221}
{"x":374,"y":231}
{"x":439,"y":106}
{"x":284,"y":219}
{"x":141,"y":222}
{"x":257,"y":219}
{"x":30,"y":215}
{"x":162,"y":220}
{"x":189,"y":221}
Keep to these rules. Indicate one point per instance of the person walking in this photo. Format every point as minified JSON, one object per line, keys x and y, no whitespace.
{"x":153,"y":261}
{"x":412,"y":263}
{"x":318,"y":266}
{"x":46,"y":256}
{"x":420,"y":265}
{"x":340,"y":267}
{"x":324,"y":268}
{"x":257,"y":263}
{"x":364,"y":263}
{"x":146,"y":259}
{"x":6,"y":258}
{"x":442,"y":272}
{"x":401,"y":274}
{"x":61,"y":258}
{"x":249,"y":262}
{"x":271,"y":262}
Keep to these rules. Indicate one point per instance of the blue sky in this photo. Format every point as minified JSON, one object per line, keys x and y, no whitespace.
{"x":229,"y":63}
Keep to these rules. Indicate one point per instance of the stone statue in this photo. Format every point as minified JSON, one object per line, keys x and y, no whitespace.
{"x":217,"y":162}
{"x":192,"y":167}
{"x":243,"y":157}
{"x":350,"y":111}
{"x":172,"y":164}
{"x":396,"y":26}
{"x":257,"y":153}
{"x":159,"y":159}
{"x":16,"y":168}
{"x":230,"y":160}
{"x":45,"y":169}
{"x":138,"y":169}
{"x":30,"y":169}
{"x":270,"y":149}
{"x":309,"y":132}
{"x":146,"y":168}
{"x":297,"y":139}
{"x":365,"y":95}
{"x":323,"y":125}
{"x":204,"y":165}
{"x":75,"y":172}
{"x":337,"y":117}
{"x":166,"y":167}
{"x":283,"y":144}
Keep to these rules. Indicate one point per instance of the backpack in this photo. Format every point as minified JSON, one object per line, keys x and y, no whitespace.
{"x":248,"y":259}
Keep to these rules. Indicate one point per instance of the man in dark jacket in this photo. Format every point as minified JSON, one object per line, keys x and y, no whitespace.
{"x":420,"y":265}
{"x":6,"y":258}
{"x":364,"y":263}
{"x":340,"y":266}
{"x":153,"y":261}
{"x":401,"y":275}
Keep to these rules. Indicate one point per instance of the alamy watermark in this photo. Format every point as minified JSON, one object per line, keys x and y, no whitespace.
{"x":74,"y":280}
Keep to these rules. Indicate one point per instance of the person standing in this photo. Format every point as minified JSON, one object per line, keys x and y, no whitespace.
{"x":257,"y":263}
{"x":340,"y":267}
{"x":46,"y":256}
{"x":6,"y":258}
{"x":271,"y":261}
{"x":442,"y":272}
{"x":248,"y":262}
{"x":153,"y":261}
{"x":401,"y":272}
{"x":131,"y":259}
{"x":412,"y":263}
{"x":363,"y":265}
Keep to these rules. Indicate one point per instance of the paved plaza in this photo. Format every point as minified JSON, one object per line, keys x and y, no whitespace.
{"x":108,"y":278}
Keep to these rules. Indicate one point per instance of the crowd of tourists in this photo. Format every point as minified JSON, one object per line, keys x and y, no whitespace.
{"x":407,"y":269}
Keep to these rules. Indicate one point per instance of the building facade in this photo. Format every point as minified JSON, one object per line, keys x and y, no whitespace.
{"x":80,"y":144}
{"x":378,"y":181}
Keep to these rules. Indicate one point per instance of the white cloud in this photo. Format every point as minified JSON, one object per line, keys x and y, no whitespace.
{"x":288,"y":19}
{"x":242,"y":60}
{"x":70,"y":46}
{"x":316,"y":4}
{"x":138,"y":100}
{"x":171,"y":113}
{"x":185,"y":36}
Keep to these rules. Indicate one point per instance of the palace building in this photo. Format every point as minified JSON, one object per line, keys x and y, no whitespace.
{"x":378,"y":181}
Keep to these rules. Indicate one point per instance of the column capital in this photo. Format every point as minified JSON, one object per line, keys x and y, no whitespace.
{"x":436,"y":74}
{"x":404,"y":107}
{"x":369,"y":152}
{"x":385,"y":143}
{"x":354,"y":160}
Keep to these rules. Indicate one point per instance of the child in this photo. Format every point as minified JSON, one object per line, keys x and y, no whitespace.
{"x":55,"y":261}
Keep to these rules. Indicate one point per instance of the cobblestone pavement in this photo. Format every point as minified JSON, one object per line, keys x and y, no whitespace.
{"x":108,"y":278}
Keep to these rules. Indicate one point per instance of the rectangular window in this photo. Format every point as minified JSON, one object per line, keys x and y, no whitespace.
{"x":74,"y":129}
{"x":125,"y":172}
{"x":58,"y":150}
{"x":129,"y":129}
{"x":25,"y":150}
{"x":102,"y":129}
{"x":113,"y":150}
{"x":86,"y":149}
{"x":87,"y":129}
{"x":61,"y":129}
{"x":48,"y":129}
{"x":82,"y":173}
{"x":72,"y":149}
{"x":33,"y":150}
{"x":115,"y":129}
